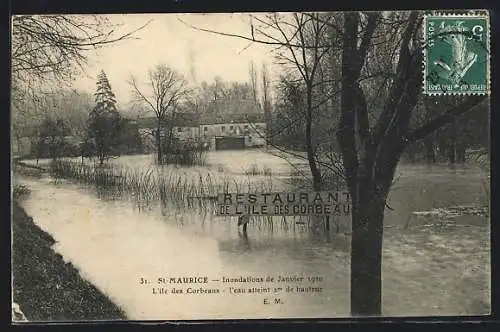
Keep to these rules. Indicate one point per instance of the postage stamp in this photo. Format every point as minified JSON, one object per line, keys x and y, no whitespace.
{"x":456,"y":54}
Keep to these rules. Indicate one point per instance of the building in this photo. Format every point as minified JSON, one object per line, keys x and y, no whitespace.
{"x":211,"y":130}
{"x":147,"y":131}
{"x":186,"y":127}
{"x":244,"y":131}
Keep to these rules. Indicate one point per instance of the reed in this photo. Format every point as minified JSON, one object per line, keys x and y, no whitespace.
{"x":183,"y":189}
{"x":254,"y":170}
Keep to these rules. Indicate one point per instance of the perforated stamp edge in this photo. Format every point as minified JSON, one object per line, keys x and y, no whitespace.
{"x":484,"y":15}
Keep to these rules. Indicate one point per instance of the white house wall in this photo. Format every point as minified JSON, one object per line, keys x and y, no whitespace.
{"x":185,"y":134}
{"x":254,"y":130}
{"x":254,"y":133}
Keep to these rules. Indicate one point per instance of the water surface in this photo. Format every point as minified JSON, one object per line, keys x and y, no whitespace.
{"x":431,"y":265}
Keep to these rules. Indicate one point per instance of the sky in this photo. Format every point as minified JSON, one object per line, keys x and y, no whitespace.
{"x":168,"y":40}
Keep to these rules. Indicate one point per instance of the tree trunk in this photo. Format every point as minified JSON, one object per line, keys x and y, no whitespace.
{"x":158,"y":145}
{"x":368,"y":204}
{"x":170,"y":139}
{"x":366,"y":254}
{"x":53,"y":149}
{"x":430,"y":156}
{"x":316,"y":174}
{"x":268,"y":120}
{"x":460,"y":153}
{"x":411,"y":152}
{"x":452,"y":144}
{"x":370,"y":155}
{"x":451,"y":152}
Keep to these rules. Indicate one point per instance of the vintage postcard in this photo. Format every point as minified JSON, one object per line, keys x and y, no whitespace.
{"x":250,"y":165}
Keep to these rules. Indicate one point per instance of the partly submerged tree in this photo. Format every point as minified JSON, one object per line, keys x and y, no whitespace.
{"x":301,"y":44}
{"x":372,"y":135}
{"x":305,"y":45}
{"x":164,"y":89}
{"x":104,"y":128}
{"x":372,"y":149}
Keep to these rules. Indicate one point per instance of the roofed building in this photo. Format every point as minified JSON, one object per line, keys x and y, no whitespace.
{"x":209,"y":128}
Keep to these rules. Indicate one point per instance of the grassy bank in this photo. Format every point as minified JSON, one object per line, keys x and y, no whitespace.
{"x":47,"y":288}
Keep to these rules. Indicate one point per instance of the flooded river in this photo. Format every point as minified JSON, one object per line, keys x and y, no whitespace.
{"x":432,"y":265}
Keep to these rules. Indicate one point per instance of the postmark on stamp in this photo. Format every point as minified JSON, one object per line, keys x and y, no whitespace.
{"x":456,"y":54}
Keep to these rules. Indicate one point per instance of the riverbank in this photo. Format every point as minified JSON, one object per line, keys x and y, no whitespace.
{"x":47,"y":288}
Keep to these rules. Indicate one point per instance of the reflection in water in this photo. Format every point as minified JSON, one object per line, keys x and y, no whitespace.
{"x":427,"y":270}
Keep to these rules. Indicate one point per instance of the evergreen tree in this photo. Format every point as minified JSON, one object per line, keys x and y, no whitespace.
{"x":104,"y":96}
{"x":104,"y":121}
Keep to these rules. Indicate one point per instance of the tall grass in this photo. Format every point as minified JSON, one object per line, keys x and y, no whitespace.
{"x":154,"y":184}
{"x":174,"y":189}
{"x":254,"y":170}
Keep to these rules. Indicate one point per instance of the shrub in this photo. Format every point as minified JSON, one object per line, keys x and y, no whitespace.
{"x":20,"y":190}
{"x":187,"y":156}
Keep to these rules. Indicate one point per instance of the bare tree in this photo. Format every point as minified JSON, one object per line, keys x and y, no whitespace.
{"x":371,"y":153}
{"x":300,"y":44}
{"x":266,"y":102}
{"x":253,"y":81}
{"x":192,"y":63}
{"x":56,"y":46}
{"x":371,"y":143}
{"x":163,"y":91}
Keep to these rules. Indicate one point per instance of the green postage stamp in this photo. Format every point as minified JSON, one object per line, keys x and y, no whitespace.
{"x":456,"y":54}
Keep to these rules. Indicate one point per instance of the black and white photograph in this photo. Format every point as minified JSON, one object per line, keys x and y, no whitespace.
{"x":250,"y":165}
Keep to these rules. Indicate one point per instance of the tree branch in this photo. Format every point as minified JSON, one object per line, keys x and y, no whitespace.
{"x":253,"y":39}
{"x":140,"y":95}
{"x":440,"y":121}
{"x":366,"y":39}
{"x":403,"y":73}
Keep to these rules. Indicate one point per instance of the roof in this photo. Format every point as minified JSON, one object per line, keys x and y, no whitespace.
{"x":149,"y":122}
{"x":185,"y":119}
{"x":209,"y":119}
{"x":225,"y":112}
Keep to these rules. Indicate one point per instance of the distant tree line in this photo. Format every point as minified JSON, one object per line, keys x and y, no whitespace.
{"x":447,"y":145}
{"x":48,"y":52}
{"x":469,"y":132}
{"x":101,"y":133}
